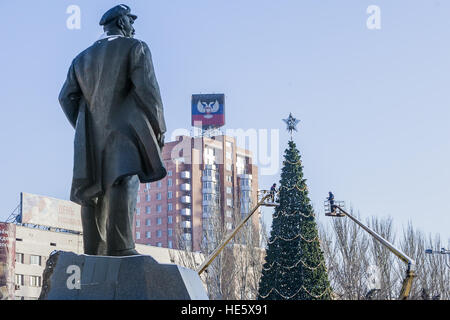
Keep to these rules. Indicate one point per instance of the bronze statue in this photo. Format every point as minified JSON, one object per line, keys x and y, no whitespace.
{"x":112,"y":99}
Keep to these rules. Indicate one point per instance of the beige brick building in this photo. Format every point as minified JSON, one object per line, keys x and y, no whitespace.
{"x":206,"y":176}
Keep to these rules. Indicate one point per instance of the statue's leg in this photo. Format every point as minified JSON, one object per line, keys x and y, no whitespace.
{"x":120,"y":203}
{"x":94,"y":229}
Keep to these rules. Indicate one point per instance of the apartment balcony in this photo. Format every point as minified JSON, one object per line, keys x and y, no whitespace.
{"x":186,"y":212}
{"x":209,"y":178}
{"x":245,"y":209}
{"x":209,"y":190}
{"x":185,"y":175}
{"x":186,"y":236}
{"x":185,"y":199}
{"x":245,"y":182}
{"x":186,"y":224}
{"x":206,"y":215}
{"x":210,"y":167}
{"x":209,"y":203}
{"x":185,"y":187}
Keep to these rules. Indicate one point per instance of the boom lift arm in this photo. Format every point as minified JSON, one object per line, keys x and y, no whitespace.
{"x":338,"y":211}
{"x":263,"y":202}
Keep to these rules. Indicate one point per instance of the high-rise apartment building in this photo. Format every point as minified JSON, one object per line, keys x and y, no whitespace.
{"x":207,"y":177}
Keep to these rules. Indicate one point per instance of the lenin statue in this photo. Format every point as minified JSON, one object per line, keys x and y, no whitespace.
{"x":112,"y":99}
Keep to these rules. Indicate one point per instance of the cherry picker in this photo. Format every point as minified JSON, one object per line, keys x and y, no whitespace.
{"x":335,"y":209}
{"x":267,"y":199}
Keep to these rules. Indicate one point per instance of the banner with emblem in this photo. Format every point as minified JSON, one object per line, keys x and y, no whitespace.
{"x":208,"y":110}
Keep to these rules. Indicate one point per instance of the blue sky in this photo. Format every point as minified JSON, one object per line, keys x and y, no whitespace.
{"x":373,"y":104}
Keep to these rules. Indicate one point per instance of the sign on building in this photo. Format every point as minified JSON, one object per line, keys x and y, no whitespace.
{"x":7,"y":260}
{"x":51,"y":212}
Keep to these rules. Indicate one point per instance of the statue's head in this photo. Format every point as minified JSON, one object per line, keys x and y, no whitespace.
{"x":119,"y":20}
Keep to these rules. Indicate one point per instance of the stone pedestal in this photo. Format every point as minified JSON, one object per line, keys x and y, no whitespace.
{"x":69,"y":276}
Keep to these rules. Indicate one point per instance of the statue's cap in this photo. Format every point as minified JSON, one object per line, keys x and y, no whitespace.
{"x":116,"y":12}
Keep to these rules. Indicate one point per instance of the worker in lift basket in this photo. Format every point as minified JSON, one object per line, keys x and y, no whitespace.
{"x":331,"y":200}
{"x":273,"y":189}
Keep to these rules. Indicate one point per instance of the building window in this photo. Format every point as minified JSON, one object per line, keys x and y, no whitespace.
{"x":228,"y":166}
{"x":228,"y":155}
{"x":229,"y":213}
{"x":229,"y":179}
{"x":158,"y":208}
{"x":170,"y":244}
{"x":246,"y":194}
{"x":148,"y":234}
{"x":187,"y":236}
{"x":147,"y":197}
{"x":35,"y":281}
{"x":245,"y":207}
{"x":207,"y":196}
{"x":209,"y":185}
{"x":229,"y":225}
{"x":20,"y":279}
{"x":138,"y":235}
{"x":169,"y":173}
{"x":159,"y":244}
{"x":138,"y":211}
{"x":147,"y":209}
{"x":169,"y":219}
{"x":19,"y":257}
{"x":169,"y":195}
{"x":169,"y":182}
{"x":159,"y":184}
{"x":159,"y":221}
{"x":159,"y":233}
{"x":138,"y":199}
{"x":147,"y":186}
{"x":229,"y":190}
{"x":138,"y":223}
{"x":229,"y":203}
{"x":169,"y":232}
{"x":169,"y":207}
{"x":35,"y":260}
{"x":148,"y":222}
{"x":158,"y":196}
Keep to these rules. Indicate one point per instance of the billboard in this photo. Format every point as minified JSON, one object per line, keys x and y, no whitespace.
{"x":208,"y":110}
{"x":51,"y":212}
{"x":7,"y":260}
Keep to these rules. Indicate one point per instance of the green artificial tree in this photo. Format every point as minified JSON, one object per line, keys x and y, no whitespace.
{"x":295,"y":266}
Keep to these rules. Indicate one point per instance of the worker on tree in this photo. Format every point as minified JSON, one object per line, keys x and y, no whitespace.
{"x":331,"y":200}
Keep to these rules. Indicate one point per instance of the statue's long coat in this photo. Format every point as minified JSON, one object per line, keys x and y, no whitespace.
{"x":112,"y":98}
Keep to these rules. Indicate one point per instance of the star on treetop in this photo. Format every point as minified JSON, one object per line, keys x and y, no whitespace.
{"x":291,"y":123}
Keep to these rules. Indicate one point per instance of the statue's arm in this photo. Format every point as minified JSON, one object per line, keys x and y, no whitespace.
{"x":69,"y":97}
{"x":147,"y":88}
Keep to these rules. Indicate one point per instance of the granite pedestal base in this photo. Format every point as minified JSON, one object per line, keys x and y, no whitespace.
{"x":69,"y":276}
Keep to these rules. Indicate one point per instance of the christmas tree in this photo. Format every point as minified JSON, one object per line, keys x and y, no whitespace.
{"x":294,"y":267}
